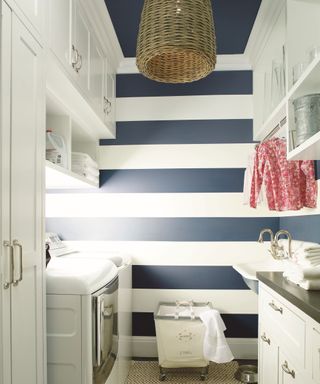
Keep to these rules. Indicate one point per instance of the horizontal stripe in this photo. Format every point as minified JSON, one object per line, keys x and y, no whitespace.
{"x":184,"y":108}
{"x":237,"y":325}
{"x":224,"y":300}
{"x":182,"y":132}
{"x":306,"y":228}
{"x":160,"y":229}
{"x":172,"y":180}
{"x":151,"y":205}
{"x":180,"y":253}
{"x":145,"y":347}
{"x":174,"y":156}
{"x":217,"y":83}
{"x":186,"y":277}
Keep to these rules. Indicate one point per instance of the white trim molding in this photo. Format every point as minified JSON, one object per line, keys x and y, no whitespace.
{"x":224,"y":63}
{"x":267,"y":16}
{"x":144,"y":346}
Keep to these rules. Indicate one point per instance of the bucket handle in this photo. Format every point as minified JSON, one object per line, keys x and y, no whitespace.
{"x":184,"y":303}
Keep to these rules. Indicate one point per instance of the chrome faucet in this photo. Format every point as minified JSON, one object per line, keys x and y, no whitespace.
{"x":274,"y":246}
{"x":276,"y":250}
{"x":276,"y":239}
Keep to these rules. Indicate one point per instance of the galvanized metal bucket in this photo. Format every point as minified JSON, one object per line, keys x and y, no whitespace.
{"x":307,"y":117}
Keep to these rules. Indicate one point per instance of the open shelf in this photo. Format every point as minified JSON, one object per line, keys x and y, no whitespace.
{"x":61,"y":178}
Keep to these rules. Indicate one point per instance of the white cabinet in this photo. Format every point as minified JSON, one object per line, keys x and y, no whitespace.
{"x":75,"y":42}
{"x":287,"y":68}
{"x":59,"y":19}
{"x":80,"y":46}
{"x":109,"y":96}
{"x":289,"y":342}
{"x":22,"y":252}
{"x":34,"y":12}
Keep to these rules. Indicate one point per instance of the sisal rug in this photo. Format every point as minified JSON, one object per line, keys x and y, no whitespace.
{"x":147,"y":372}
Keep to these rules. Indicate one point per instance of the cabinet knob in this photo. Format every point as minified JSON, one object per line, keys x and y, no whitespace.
{"x":76,"y":59}
{"x":286,"y":369}
{"x":276,"y":308}
{"x":265,"y":339}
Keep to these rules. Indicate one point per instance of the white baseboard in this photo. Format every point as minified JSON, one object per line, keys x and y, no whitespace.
{"x":143,"y":346}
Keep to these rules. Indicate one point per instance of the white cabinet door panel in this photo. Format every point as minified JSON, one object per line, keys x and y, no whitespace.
{"x":34,"y":11}
{"x":60,"y":30}
{"x":27,"y":102}
{"x":81,"y":41}
{"x":96,"y":76}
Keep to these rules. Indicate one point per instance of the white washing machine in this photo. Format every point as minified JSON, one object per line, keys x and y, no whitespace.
{"x":87,"y":327}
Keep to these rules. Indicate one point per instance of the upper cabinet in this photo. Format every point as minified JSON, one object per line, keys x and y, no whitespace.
{"x":80,"y":65}
{"x":33,"y":10}
{"x":288,"y":68}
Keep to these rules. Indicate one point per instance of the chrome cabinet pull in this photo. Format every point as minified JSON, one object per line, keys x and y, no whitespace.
{"x":16,"y":244}
{"x":107,"y":106}
{"x":9,"y":248}
{"x":275,"y":308}
{"x":265,"y":339}
{"x":76,"y":60}
{"x":75,"y":57}
{"x":286,"y":369}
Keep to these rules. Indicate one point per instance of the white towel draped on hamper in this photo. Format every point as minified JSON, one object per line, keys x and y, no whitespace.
{"x":215,"y":347}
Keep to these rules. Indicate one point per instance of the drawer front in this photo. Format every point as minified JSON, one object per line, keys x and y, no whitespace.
{"x":288,"y":372}
{"x":316,"y":354}
{"x":291,"y":329}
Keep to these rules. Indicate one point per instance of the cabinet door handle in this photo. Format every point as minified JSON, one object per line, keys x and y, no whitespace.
{"x":275,"y":308}
{"x":16,"y":244}
{"x":9,"y":249}
{"x":265,"y":339}
{"x":79,"y":62}
{"x":107,"y":106}
{"x":286,"y":369}
{"x":75,"y":57}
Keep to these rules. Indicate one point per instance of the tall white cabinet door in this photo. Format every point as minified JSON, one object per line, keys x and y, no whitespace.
{"x":268,"y":358}
{"x":60,"y":12}
{"x":27,"y":133}
{"x":5,"y":126}
{"x":81,"y":43}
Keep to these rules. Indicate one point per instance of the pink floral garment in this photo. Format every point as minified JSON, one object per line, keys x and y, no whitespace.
{"x":290,"y":185}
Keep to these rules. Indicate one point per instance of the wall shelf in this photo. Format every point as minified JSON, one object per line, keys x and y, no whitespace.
{"x":61,"y":178}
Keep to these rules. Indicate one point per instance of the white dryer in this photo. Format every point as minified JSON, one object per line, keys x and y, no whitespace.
{"x":82,"y":331}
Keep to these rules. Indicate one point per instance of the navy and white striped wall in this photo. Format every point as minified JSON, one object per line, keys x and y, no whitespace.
{"x":171,"y":196}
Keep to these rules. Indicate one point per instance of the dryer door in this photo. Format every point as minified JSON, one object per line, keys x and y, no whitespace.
{"x":105,"y":331}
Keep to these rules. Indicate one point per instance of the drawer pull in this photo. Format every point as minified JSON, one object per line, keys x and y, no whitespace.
{"x":265,"y":339}
{"x":275,"y":308}
{"x":286,"y":369}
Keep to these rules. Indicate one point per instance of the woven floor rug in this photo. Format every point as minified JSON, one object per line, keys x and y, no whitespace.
{"x":147,"y":372}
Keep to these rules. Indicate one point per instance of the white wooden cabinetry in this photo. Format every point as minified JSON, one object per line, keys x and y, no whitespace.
{"x":75,"y":44}
{"x":289,"y":342}
{"x":33,"y":10}
{"x":297,"y":50}
{"x":22,"y":251}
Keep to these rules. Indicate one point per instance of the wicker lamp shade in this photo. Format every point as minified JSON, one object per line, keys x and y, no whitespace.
{"x":176,"y":40}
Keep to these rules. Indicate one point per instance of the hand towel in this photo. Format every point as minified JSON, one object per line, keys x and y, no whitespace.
{"x":310,"y":285}
{"x":215,"y":347}
{"x":303,"y":273}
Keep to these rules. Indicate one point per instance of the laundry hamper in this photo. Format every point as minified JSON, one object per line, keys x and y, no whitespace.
{"x":180,"y":334}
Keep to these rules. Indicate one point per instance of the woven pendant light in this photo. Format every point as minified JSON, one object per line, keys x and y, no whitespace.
{"x":176,"y":40}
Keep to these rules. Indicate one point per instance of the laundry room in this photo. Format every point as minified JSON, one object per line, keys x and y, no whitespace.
{"x":160,"y":166}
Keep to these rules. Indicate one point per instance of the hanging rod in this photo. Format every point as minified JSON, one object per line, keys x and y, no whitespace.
{"x":274,"y":130}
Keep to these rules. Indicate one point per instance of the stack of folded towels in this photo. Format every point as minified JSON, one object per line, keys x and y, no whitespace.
{"x":305,"y":272}
{"x":84,"y":165}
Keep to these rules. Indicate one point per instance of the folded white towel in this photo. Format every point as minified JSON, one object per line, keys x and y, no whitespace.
{"x":309,"y":285}
{"x":302,"y":273}
{"x":83,"y":158}
{"x":215,"y":347}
